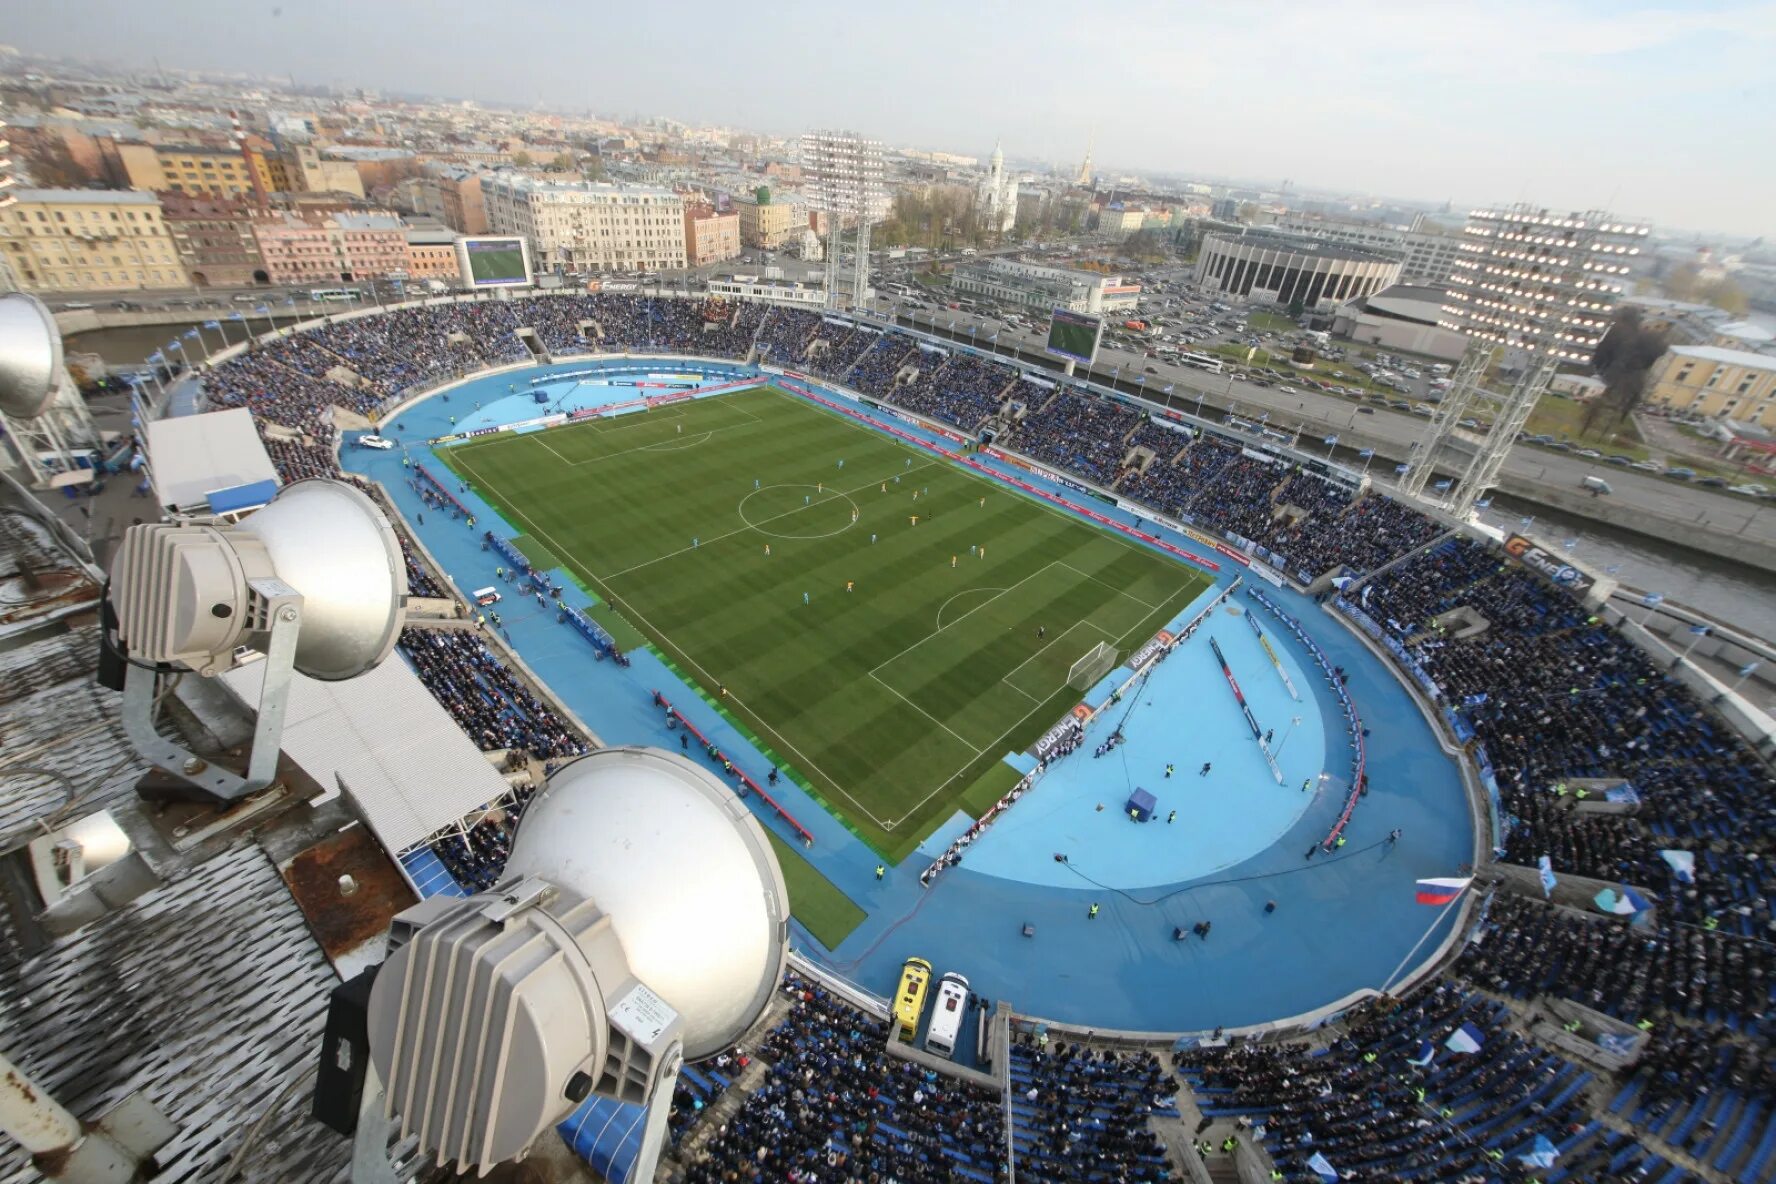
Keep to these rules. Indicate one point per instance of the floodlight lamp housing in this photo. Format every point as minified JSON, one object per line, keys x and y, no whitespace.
{"x":30,"y":356}
{"x":189,"y":594}
{"x":642,"y":921}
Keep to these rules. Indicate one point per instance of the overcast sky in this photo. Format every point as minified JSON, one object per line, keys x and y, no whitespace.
{"x":1663,"y":109}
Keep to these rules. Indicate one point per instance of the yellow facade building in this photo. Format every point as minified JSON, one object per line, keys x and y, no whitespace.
{"x":1732,"y":384}
{"x":89,"y":240}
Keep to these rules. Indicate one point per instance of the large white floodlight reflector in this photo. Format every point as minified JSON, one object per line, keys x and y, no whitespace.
{"x":30,"y":356}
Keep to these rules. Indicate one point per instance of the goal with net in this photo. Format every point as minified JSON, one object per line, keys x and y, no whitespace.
{"x":1094,"y":665}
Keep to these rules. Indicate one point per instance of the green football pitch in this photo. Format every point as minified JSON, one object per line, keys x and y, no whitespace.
{"x":709,"y":523}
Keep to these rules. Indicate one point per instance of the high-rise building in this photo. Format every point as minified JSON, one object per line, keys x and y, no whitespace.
{"x":1541,"y":282}
{"x":88,"y":240}
{"x":587,"y":226}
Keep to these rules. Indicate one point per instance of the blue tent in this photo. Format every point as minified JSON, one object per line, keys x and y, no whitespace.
{"x":1142,"y":804}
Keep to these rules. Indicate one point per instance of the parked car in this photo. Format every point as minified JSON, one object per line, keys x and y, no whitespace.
{"x":1681,"y":474}
{"x":1713,"y":482}
{"x":1751,"y":490}
{"x":1648,"y":466}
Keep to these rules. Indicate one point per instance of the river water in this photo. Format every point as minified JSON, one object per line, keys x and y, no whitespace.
{"x":1733,"y":593}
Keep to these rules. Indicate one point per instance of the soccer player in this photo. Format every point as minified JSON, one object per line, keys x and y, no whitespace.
{"x":841,"y":462}
{"x":694,"y":541}
{"x":1041,"y":632}
{"x":952,"y":563}
{"x":872,"y":538}
{"x":909,"y":459}
{"x":755,"y":482}
{"x":819,"y":487}
{"x":767,"y":550}
{"x":806,"y":498}
{"x":983,"y":503}
{"x":850,"y":584}
{"x":804,"y":598}
{"x":914,"y":519}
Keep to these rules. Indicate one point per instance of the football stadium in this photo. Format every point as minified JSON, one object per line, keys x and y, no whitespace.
{"x":1152,"y":801}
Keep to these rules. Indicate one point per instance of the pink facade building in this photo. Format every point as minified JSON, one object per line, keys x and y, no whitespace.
{"x":341,"y":248}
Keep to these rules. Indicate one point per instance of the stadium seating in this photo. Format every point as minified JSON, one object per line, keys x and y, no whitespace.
{"x":1553,"y":698}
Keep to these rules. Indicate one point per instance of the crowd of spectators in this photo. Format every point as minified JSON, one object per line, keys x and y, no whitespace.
{"x":964,"y":390}
{"x":1620,"y":969}
{"x":1375,"y":1115}
{"x":484,"y":697}
{"x":835,"y":1106}
{"x":877,"y":367}
{"x":1079,"y":433}
{"x":1081,"y":1114}
{"x":1558,"y":699}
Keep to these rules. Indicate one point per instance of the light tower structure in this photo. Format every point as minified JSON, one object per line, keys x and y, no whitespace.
{"x":1533,"y":290}
{"x":845,"y":181}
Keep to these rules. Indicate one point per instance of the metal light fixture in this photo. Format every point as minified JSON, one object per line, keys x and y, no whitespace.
{"x":314,"y":580}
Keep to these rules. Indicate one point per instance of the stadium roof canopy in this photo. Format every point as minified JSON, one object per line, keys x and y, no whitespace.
{"x":407,"y":768}
{"x":191,"y":457}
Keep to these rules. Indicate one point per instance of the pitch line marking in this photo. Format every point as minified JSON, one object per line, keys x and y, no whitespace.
{"x":963,"y":740}
{"x":956,"y":597}
{"x":568,"y":556}
{"x":983,"y":604}
{"x":754,"y":526}
{"x":1087,"y":623}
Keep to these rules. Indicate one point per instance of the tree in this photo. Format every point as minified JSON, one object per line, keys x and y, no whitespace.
{"x":51,"y":164}
{"x":594,"y":170}
{"x":521,"y":158}
{"x":1622,"y":359}
{"x":562,"y":162}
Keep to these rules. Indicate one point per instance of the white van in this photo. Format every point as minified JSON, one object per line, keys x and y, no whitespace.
{"x":947,"y":1015}
{"x":381,"y":443}
{"x":1595,"y":485}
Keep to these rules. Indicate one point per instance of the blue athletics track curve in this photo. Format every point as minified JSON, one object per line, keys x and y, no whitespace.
{"x":1342,"y":922}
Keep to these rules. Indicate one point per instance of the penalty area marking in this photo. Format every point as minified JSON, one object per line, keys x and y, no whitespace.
{"x":959,"y":596}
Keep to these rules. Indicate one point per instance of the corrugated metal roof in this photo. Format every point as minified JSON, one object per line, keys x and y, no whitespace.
{"x":409,"y":769}
{"x":208,"y":994}
{"x":193,"y":456}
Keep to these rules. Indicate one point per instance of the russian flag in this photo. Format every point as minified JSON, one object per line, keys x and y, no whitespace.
{"x":1443,"y":890}
{"x":1466,"y":1038}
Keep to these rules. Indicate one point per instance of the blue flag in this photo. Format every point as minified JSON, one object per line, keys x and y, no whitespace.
{"x":212,"y":324}
{"x":1366,"y":453}
{"x":1699,"y":630}
{"x":1546,"y":866}
{"x":1466,"y":1038}
{"x":190,"y":333}
{"x":1331,"y":439}
{"x":1401,"y":468}
{"x":1652,"y":599}
{"x":1483,"y":503}
{"x":1168,"y":389}
{"x":1541,"y":1154}
{"x":1427,"y":1052}
{"x":1322,"y":1167}
{"x":1445,"y":484}
{"x":1750,"y":668}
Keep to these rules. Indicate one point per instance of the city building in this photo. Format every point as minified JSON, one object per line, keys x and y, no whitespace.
{"x":320,"y":175}
{"x":996,"y":195}
{"x":341,"y":248}
{"x":1541,"y":282}
{"x":1402,"y":317}
{"x":586,"y":226}
{"x":1118,"y":221}
{"x":1285,"y":269}
{"x":89,"y":240}
{"x":1683,"y":322}
{"x":1426,"y":251}
{"x":1013,"y":281}
{"x":181,"y":168}
{"x":711,"y":235}
{"x":767,"y":222}
{"x":431,"y":254}
{"x":772,"y":291}
{"x":459,"y":195}
{"x":214,"y":238}
{"x":1729,"y":384}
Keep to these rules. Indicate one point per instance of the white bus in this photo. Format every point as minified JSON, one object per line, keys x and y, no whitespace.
{"x":947,"y":1015}
{"x":1201,"y":362}
{"x":329,"y":295}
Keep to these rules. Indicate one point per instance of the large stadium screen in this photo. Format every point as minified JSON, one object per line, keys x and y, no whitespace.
{"x":1074,"y":336}
{"x":493,"y":262}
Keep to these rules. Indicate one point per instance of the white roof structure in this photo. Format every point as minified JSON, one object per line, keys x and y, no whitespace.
{"x":193,"y":456}
{"x":1726,"y":357}
{"x":408,"y":769}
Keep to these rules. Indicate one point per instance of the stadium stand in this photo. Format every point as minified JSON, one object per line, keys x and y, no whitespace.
{"x":1555,"y":700}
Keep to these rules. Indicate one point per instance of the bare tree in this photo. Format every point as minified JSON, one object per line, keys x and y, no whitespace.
{"x":1622,"y":359}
